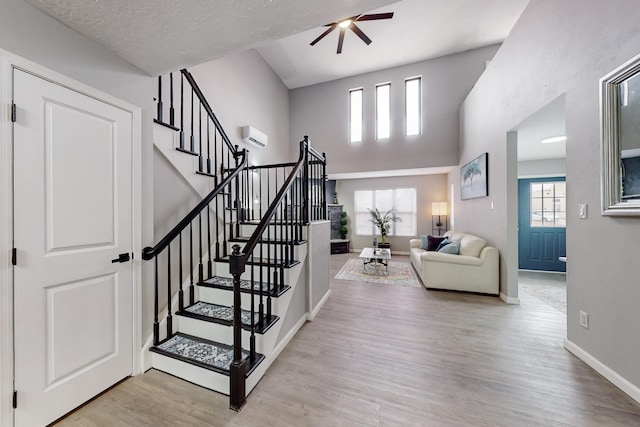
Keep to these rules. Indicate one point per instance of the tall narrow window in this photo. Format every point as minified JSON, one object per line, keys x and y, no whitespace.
{"x":412,"y":106}
{"x":355,"y":115}
{"x":383,"y":111}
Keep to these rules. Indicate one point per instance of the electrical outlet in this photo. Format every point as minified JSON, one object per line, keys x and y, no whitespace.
{"x":584,"y":319}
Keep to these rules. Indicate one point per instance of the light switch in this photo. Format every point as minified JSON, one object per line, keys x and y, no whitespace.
{"x":582,"y":211}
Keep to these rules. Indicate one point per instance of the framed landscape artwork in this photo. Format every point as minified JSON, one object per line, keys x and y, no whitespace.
{"x":474,"y":178}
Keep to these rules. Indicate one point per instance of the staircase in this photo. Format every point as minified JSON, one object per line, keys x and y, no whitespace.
{"x":226,"y":273}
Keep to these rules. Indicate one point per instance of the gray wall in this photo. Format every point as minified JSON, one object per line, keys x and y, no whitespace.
{"x":321,"y":111}
{"x":242,"y":89}
{"x":29,"y":33}
{"x":561,"y":48}
{"x":429,"y":188}
{"x":319,"y":281}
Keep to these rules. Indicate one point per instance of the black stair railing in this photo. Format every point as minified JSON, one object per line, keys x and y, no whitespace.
{"x":299,"y":199}
{"x":200,"y":132}
{"x":278,"y":200}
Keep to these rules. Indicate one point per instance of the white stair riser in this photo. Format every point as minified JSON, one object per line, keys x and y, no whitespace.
{"x":224,"y":334}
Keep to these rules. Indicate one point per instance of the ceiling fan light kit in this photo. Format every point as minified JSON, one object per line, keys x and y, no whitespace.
{"x":351,"y":24}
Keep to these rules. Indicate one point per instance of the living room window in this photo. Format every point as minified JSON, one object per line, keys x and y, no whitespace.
{"x":355,"y":115}
{"x":548,"y":204}
{"x":402,"y":199}
{"x":383,"y":111}
{"x":413,"y":90}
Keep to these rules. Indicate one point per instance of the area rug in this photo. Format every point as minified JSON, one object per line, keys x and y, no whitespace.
{"x":400,"y":273}
{"x":549,"y":288}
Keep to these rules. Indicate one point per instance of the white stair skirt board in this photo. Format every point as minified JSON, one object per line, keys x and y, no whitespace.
{"x":611,"y":375}
{"x":509,"y":300}
{"x":165,"y":141}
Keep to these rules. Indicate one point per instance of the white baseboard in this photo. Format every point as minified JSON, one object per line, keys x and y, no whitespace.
{"x":611,"y":375}
{"x":509,"y":300}
{"x":316,"y":309}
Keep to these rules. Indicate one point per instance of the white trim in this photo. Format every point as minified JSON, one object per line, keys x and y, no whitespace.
{"x":616,"y":379}
{"x":316,"y":309}
{"x":6,"y":243}
{"x":9,"y":61}
{"x":509,"y":300}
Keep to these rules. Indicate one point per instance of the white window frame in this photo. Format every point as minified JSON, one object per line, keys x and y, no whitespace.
{"x":380,"y":110}
{"x":407,"y":119}
{"x":352,"y":136}
{"x":373,"y":231}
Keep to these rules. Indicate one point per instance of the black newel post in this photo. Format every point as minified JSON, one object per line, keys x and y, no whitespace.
{"x":238,"y":369}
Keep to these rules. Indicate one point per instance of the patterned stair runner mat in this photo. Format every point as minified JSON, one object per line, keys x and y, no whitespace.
{"x":219,"y":356}
{"x":221,"y":312}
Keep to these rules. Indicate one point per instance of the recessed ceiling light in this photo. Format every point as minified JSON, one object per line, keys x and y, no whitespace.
{"x":345,"y":23}
{"x":554,"y":139}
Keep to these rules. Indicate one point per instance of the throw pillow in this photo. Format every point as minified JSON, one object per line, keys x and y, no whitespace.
{"x":451,"y":248}
{"x":442,"y":244}
{"x":433,"y":242}
{"x":424,"y":242}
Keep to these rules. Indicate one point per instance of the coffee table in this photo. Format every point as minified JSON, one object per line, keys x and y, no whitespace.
{"x":377,"y":258}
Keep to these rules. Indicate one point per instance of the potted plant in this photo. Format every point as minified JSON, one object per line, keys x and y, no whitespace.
{"x":383,"y":223}
{"x":343,"y":225}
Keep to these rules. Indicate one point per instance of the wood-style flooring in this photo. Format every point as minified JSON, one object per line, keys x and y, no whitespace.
{"x":385,"y":355}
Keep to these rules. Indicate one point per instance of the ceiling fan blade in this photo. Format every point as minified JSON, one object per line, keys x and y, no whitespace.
{"x":374,"y":16}
{"x":360,"y":34}
{"x":340,"y":40}
{"x":323,"y":35}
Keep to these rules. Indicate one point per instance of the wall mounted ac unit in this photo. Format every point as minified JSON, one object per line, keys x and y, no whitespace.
{"x":253,"y":136}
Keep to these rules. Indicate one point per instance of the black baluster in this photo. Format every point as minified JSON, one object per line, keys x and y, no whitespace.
{"x":252,"y":339}
{"x":191,"y":284}
{"x":180,"y":293}
{"x":181,"y":111}
{"x":324,"y":186}
{"x":217,"y":205}
{"x":171,"y":110}
{"x":156,"y":324}
{"x":192,"y":146}
{"x":200,"y":156}
{"x":200,"y":265}
{"x":208,"y":148}
{"x":215,"y":153}
{"x":210,"y":261}
{"x":159,"y":113}
{"x":169,"y":310}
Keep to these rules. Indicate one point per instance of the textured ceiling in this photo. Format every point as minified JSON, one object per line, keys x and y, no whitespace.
{"x":158,"y":36}
{"x":419,"y":30}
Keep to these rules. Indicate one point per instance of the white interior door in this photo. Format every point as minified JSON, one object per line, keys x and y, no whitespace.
{"x":72,"y":216}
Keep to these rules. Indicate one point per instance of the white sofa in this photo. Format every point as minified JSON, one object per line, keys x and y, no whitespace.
{"x":474,"y":269}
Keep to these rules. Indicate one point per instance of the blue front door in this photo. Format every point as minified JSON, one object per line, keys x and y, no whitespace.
{"x":542,"y":223}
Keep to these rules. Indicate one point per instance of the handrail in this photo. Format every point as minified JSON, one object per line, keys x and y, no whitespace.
{"x":149,"y":252}
{"x":270,"y":212}
{"x":207,"y":108}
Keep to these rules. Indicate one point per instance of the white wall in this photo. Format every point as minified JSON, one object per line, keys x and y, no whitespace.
{"x":540,"y":168}
{"x":321,"y":111}
{"x":429,"y":188}
{"x":561,"y":48}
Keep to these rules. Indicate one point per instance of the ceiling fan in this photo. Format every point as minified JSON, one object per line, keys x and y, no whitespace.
{"x":351,"y":24}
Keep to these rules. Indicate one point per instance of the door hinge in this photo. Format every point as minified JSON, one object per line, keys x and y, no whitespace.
{"x":14,"y":256}
{"x":15,"y":399}
{"x":13,"y":112}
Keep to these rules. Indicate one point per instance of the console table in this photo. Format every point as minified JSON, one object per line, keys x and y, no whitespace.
{"x":339,"y":246}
